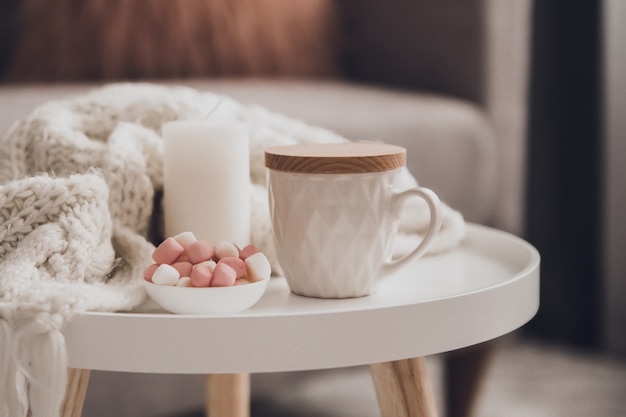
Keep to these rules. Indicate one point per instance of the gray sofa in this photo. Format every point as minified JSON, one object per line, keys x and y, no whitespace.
{"x":447,"y":80}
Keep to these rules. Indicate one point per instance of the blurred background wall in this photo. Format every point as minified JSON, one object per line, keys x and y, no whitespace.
{"x":576,"y":185}
{"x":614,"y":131}
{"x":564,"y":184}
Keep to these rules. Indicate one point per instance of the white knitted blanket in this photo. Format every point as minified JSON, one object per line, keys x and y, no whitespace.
{"x":80,"y":189}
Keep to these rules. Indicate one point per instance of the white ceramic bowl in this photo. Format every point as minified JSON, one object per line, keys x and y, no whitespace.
{"x":210,"y":301}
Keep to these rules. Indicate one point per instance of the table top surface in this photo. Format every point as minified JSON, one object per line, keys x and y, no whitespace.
{"x":487,"y":287}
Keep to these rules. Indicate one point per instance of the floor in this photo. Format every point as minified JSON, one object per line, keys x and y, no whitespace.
{"x":526,"y":379}
{"x":541,"y":381}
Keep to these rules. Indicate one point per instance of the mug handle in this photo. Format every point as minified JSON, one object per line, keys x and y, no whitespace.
{"x":434,"y":206}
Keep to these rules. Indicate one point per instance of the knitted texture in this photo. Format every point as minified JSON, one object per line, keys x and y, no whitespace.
{"x":80,"y":198}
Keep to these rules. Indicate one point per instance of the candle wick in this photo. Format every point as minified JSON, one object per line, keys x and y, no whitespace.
{"x":219,"y":101}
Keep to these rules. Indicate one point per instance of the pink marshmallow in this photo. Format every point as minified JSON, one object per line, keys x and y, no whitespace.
{"x":201,"y":275}
{"x":183,"y":257}
{"x":183,"y":268}
{"x":167,"y":252}
{"x":223,"y":276}
{"x":248,"y":251}
{"x":237,"y":264}
{"x":200,"y":251}
{"x":149,"y":271}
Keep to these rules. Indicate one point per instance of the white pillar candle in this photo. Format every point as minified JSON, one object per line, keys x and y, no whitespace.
{"x":206,"y":180}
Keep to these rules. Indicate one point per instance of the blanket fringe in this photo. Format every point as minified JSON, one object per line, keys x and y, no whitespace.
{"x":13,"y":395}
{"x":33,"y":367}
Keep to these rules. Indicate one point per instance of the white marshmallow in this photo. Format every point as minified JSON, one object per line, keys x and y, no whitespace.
{"x":211,"y":264}
{"x":185,"y":239}
{"x":258,"y":267}
{"x":225,"y":248}
{"x":184,"y":282}
{"x":165,"y":275}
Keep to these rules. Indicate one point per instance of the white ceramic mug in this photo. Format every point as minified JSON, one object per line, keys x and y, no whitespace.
{"x":335,"y":213}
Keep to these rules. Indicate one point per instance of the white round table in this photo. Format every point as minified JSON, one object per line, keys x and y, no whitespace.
{"x":487,"y":287}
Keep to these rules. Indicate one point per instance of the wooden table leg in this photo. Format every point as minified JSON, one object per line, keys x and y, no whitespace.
{"x":77,"y":381}
{"x":403,"y":388}
{"x":228,"y":395}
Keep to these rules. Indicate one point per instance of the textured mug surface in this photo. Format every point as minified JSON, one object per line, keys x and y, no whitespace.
{"x":333,"y":232}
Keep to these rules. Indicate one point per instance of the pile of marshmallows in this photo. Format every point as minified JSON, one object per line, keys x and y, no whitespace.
{"x":185,"y":261}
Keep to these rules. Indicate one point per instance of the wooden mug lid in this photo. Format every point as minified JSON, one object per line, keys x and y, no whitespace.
{"x":335,"y":158}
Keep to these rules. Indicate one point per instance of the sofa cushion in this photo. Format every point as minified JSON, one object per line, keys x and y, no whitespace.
{"x":450,"y":146}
